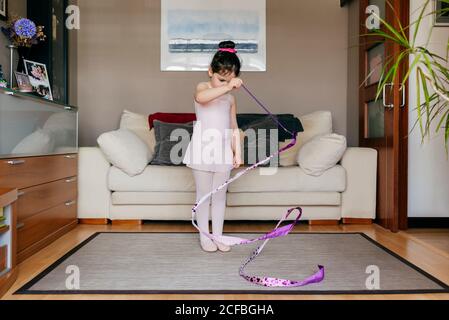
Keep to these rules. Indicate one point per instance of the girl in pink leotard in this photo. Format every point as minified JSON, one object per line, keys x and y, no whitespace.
{"x":215,"y":130}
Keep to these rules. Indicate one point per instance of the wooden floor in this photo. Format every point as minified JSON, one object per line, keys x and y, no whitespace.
{"x":428,"y":249}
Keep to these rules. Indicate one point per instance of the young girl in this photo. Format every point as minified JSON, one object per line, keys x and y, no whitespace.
{"x":215,"y":110}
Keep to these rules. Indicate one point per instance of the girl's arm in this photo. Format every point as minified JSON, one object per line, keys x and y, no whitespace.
{"x":204,"y":94}
{"x":236,"y":147}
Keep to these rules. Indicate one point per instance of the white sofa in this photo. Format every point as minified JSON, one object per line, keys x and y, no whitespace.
{"x":348,"y":190}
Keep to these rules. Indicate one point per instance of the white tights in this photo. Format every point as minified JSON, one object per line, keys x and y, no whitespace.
{"x":206,"y":182}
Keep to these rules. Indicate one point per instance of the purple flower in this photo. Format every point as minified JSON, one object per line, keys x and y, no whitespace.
{"x":25,"y":28}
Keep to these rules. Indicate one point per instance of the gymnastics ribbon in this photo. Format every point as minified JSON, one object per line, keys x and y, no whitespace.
{"x":275,"y":233}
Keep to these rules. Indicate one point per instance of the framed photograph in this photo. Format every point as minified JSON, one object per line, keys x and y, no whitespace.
{"x":441,"y":18}
{"x":38,"y":75}
{"x":3,"y":10}
{"x":23,"y":82}
{"x":192,"y":29}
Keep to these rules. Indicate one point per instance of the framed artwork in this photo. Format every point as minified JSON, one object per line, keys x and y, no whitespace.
{"x":192,"y":29}
{"x":38,"y":75}
{"x":441,"y":18}
{"x":3,"y":9}
{"x":23,"y":82}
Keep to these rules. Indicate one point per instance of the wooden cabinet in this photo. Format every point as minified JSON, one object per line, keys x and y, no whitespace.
{"x":39,"y":157}
{"x":46,"y":205}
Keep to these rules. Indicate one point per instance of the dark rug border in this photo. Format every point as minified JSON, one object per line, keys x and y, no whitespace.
{"x":25,"y":289}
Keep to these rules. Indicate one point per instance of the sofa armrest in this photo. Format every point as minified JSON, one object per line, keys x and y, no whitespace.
{"x":359,"y":198}
{"x":94,"y":197}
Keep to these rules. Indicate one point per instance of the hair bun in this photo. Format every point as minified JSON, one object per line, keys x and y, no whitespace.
{"x":227,"y":45}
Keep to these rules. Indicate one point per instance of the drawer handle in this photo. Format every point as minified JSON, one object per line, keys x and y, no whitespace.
{"x":20,"y":225}
{"x":70,"y":203}
{"x":21,"y":193}
{"x":70,"y":157}
{"x":15,"y":162}
{"x":70,"y":180}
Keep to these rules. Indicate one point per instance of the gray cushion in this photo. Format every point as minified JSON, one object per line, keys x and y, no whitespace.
{"x":264,"y":140}
{"x":163,"y":149}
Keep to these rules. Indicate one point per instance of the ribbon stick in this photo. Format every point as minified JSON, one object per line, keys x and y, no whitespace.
{"x":275,"y":233}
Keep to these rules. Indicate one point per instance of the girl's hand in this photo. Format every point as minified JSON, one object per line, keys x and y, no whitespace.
{"x":237,"y":161}
{"x":235,"y":83}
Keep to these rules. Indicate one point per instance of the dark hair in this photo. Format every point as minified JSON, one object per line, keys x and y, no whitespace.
{"x":224,"y":62}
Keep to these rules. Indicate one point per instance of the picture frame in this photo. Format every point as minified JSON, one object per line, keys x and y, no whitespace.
{"x":192,"y":29}
{"x":4,"y":10}
{"x":441,"y":20}
{"x":23,"y":82}
{"x":38,"y":75}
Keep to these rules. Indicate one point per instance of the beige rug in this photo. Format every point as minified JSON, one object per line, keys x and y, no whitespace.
{"x":146,"y":263}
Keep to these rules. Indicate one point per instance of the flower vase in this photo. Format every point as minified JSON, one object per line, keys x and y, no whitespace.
{"x":24,"y":54}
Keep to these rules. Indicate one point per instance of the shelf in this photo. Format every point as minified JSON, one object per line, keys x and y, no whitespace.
{"x":35,"y":98}
{"x":4,"y":229}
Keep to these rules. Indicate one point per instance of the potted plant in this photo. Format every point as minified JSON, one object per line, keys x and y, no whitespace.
{"x":23,"y":34}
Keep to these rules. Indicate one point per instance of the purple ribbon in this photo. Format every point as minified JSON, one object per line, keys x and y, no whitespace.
{"x":275,"y":233}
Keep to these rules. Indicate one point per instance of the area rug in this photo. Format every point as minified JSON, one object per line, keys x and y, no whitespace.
{"x":173,"y":263}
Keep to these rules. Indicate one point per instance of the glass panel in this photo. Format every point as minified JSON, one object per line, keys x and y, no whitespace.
{"x":381,"y":5}
{"x":375,"y":121}
{"x":31,"y":126}
{"x":58,"y":44}
{"x":375,"y":62}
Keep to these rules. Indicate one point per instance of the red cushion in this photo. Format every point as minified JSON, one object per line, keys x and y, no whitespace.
{"x":171,"y":117}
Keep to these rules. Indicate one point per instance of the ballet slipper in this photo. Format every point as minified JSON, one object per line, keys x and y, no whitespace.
{"x":208,"y":245}
{"x":222,"y":247}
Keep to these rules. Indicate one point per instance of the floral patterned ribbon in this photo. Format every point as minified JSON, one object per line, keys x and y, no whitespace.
{"x":275,"y":233}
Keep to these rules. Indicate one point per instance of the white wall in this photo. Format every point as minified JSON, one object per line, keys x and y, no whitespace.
{"x":119,"y":64}
{"x":428,"y":172}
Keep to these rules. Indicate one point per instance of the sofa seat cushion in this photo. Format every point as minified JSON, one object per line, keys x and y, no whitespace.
{"x":153,"y":178}
{"x":283,"y":199}
{"x":153,"y":198}
{"x":290,"y":179}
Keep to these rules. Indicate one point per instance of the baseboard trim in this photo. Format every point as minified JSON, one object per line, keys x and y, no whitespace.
{"x":357,"y":221}
{"x":126,"y":222}
{"x":428,"y":222}
{"x":94,"y":221}
{"x":324,"y":222}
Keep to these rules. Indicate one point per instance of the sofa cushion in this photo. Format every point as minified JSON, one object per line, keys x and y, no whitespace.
{"x":290,"y":179}
{"x":125,"y":150}
{"x":170,"y":152}
{"x":289,"y":121}
{"x":321,"y":153}
{"x":259,"y":142}
{"x":171,"y":118}
{"x":289,"y":157}
{"x":315,"y":124}
{"x":153,"y":178}
{"x":283,"y":199}
{"x":153,"y":198}
{"x":138,"y":124}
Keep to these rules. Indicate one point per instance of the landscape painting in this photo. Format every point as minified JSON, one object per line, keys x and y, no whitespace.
{"x":192,"y":29}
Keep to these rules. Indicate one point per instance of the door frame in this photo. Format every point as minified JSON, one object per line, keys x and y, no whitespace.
{"x":392,"y":187}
